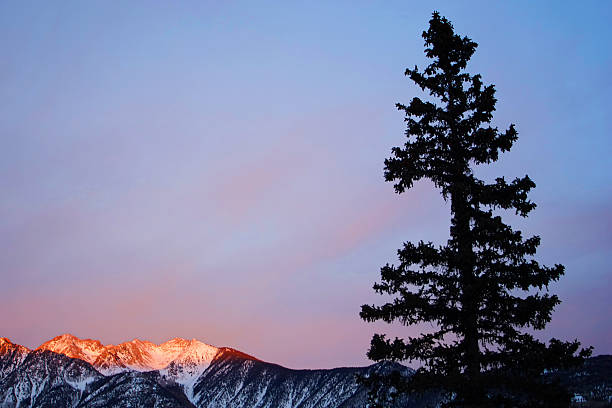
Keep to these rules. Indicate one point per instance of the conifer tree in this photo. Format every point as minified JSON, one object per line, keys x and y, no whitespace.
{"x":483,"y":292}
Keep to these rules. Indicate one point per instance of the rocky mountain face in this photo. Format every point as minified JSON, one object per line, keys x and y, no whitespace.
{"x":42,"y":378}
{"x":11,"y":356}
{"x":237,"y":380}
{"x":71,"y":372}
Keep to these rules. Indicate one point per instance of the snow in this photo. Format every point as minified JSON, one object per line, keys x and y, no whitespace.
{"x":138,"y":355}
{"x":81,"y":384}
{"x":190,"y":360}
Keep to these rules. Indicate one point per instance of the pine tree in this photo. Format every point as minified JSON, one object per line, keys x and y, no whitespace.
{"x":483,"y":292}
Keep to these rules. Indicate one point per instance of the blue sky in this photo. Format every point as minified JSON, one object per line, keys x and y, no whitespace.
{"x":214,"y":169}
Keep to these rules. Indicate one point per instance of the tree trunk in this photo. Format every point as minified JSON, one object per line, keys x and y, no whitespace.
{"x":461,"y":233}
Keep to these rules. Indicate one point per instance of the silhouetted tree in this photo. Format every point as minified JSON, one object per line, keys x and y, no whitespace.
{"x":482,"y":291}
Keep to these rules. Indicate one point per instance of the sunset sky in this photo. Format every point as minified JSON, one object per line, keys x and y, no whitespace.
{"x":214,"y":170}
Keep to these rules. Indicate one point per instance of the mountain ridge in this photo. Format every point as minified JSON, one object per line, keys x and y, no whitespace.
{"x":188,"y":378}
{"x":138,"y":355}
{"x":68,"y":372}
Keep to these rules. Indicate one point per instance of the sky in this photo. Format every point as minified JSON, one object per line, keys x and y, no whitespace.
{"x":214,"y":170}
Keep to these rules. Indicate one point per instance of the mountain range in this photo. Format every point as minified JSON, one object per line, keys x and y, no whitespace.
{"x":71,"y":372}
{"x":68,"y":372}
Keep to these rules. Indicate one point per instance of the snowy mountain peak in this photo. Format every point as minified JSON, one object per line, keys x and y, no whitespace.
{"x":138,"y":355}
{"x":7,"y":346}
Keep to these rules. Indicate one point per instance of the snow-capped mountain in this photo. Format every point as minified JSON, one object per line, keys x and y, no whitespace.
{"x":68,"y":372}
{"x":175,"y":355}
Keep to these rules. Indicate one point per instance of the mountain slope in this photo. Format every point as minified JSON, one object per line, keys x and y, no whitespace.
{"x":46,"y":379}
{"x":593,"y":381}
{"x":238,"y":380}
{"x":11,"y":356}
{"x":133,"y":389}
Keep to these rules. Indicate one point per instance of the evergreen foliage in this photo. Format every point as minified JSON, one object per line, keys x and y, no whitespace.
{"x":482,"y":292}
